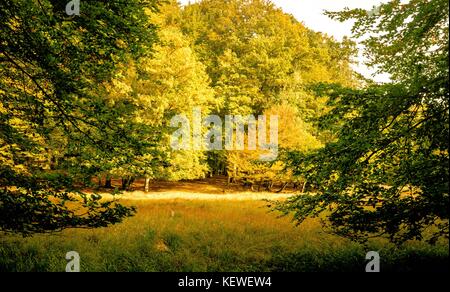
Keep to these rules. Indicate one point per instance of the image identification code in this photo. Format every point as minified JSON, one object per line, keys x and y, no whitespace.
{"x":232,"y":281}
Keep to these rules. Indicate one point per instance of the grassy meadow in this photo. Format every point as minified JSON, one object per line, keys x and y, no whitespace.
{"x":210,"y":235}
{"x":199,"y":111}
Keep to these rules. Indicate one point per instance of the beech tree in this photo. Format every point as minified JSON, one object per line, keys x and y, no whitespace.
{"x":172,"y":81}
{"x":258,"y":57}
{"x":54,"y":118}
{"x":387,"y":172}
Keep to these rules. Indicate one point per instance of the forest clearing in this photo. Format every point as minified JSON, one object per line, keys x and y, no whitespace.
{"x":233,"y":232}
{"x":224,"y":136}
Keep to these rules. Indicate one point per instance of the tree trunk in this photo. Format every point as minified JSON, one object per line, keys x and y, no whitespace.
{"x":283,"y":187}
{"x":270,"y":186}
{"x":130,"y":181}
{"x":303,"y":187}
{"x":108,"y":182}
{"x":127,"y":182}
{"x":124,"y":183}
{"x":147,"y":184}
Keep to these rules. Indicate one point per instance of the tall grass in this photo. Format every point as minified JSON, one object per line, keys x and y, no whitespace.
{"x":183,"y":235}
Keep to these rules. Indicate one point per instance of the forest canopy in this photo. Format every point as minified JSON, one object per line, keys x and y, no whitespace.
{"x":87,"y":98}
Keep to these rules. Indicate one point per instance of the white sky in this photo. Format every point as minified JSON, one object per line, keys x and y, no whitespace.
{"x":310,"y":12}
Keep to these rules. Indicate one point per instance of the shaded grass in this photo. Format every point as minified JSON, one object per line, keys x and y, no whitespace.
{"x":182,"y":235}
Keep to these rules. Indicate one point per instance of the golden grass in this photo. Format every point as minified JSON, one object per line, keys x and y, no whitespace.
{"x":195,"y":235}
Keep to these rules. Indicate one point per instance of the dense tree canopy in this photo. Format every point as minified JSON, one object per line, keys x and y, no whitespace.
{"x":170,"y":82}
{"x":53,"y":114}
{"x":254,"y":51}
{"x":258,"y":57}
{"x":90,"y":97}
{"x":387,"y":172}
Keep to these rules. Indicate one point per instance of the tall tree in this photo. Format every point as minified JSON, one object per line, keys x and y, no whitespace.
{"x":52,"y":108}
{"x":170,"y":82}
{"x":257,"y":57}
{"x":387,"y":172}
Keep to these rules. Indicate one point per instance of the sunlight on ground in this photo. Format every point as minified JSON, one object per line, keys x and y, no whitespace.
{"x":209,"y":235}
{"x":139,"y":195}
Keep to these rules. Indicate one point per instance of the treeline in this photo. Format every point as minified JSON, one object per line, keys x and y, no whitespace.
{"x":224,"y":57}
{"x":90,"y":97}
{"x":227,"y":58}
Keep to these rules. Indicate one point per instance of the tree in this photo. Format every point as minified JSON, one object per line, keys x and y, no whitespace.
{"x":386,"y":173}
{"x":258,"y":57}
{"x":253,"y":51}
{"x":54,"y":118}
{"x":293,"y":135}
{"x":170,"y":82}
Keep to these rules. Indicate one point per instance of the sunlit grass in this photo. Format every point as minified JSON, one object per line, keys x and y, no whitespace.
{"x":220,"y":235}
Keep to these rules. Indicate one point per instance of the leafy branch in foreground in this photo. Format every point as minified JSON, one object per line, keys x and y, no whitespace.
{"x":387,"y":171}
{"x":55,"y":116}
{"x":43,"y":211}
